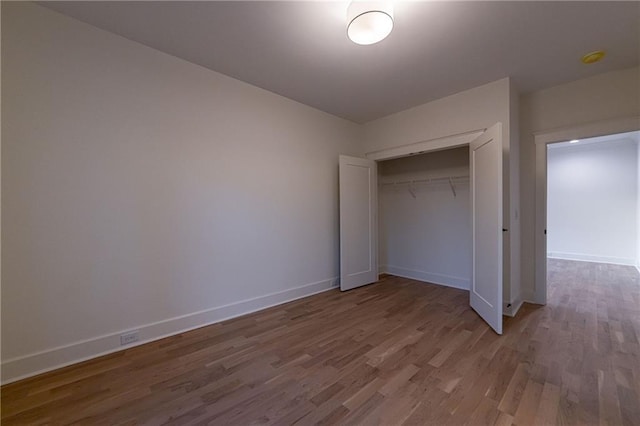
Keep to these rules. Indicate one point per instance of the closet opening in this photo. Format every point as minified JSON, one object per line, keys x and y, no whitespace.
{"x":593,"y":214}
{"x":425,"y":217}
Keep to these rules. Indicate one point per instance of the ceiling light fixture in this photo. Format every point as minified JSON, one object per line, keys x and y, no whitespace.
{"x":574,"y":141}
{"x":369,"y":22}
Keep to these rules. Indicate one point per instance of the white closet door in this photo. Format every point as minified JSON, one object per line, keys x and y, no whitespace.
{"x":358,"y":228}
{"x":486,"y":202}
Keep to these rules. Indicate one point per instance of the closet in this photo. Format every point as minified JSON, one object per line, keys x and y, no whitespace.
{"x":439,"y":218}
{"x":424,"y":217}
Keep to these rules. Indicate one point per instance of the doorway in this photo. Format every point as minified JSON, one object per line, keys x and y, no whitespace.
{"x":563,"y":138}
{"x":593,"y":220}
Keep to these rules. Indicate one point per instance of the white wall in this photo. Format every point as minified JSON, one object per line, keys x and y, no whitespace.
{"x":592,"y":200}
{"x":144,"y":192}
{"x":473,"y":109}
{"x":602,"y":97}
{"x":427,"y":237}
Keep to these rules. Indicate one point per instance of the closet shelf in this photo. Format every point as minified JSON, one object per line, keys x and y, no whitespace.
{"x":445,"y":179}
{"x":451,"y":180}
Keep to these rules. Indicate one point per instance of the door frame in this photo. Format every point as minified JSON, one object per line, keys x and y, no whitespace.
{"x":542,"y":139}
{"x":422,"y":147}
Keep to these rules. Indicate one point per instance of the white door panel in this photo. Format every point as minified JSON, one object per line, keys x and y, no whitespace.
{"x":486,"y":201}
{"x":358,"y":206}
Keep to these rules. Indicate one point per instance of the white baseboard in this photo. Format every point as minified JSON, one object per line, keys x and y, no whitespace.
{"x":430,"y":277}
{"x":511,"y":309}
{"x":592,"y":258}
{"x":36,"y":363}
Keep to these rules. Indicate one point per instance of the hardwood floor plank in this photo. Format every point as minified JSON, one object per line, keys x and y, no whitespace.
{"x":548,"y":407}
{"x":360,"y":397}
{"x":399,"y":379}
{"x":529,"y":403}
{"x":486,"y":413}
{"x":511,"y":399}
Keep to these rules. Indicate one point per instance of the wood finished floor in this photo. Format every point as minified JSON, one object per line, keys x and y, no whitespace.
{"x":396,"y":352}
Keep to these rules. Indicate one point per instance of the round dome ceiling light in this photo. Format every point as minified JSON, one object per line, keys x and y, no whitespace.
{"x":593,"y":57}
{"x":369,"y":21}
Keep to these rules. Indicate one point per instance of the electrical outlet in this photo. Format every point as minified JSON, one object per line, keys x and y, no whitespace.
{"x":128,"y":338}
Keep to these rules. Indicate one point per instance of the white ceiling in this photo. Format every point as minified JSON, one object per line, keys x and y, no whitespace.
{"x":300,"y":49}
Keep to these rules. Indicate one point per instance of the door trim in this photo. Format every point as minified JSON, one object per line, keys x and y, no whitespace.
{"x":423,"y":147}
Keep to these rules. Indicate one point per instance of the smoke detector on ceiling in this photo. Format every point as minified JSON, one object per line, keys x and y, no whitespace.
{"x":593,"y":57}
